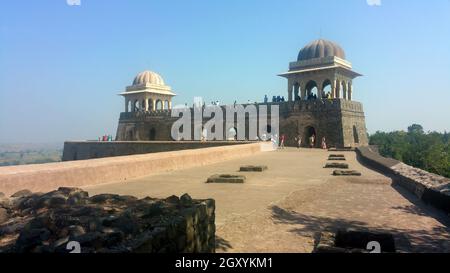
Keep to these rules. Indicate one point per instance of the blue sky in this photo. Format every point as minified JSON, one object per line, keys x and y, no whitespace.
{"x":62,"y":66}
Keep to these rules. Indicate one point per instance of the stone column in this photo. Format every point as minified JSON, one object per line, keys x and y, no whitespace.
{"x":337,"y":90}
{"x":289,"y":91}
{"x":146,"y":104}
{"x":153,"y":104}
{"x":350,"y":90}
{"x":333,"y":89}
{"x":344,"y":90}
{"x":170,"y":104}
{"x":126,"y":105}
{"x":319,"y":90}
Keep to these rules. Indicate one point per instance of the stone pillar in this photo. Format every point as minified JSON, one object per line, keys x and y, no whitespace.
{"x":337,"y":90}
{"x":153,"y":105}
{"x":350,"y":90}
{"x":319,"y":91}
{"x":126,"y":105}
{"x":344,"y":90}
{"x":170,"y":104}
{"x":333,"y":89}
{"x":289,"y":91}
{"x":303,"y":91}
{"x":146,"y":105}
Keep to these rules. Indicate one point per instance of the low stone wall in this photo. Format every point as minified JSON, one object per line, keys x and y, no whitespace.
{"x":80,"y":150}
{"x":50,"y":176}
{"x":431,"y":188}
{"x":68,"y":220}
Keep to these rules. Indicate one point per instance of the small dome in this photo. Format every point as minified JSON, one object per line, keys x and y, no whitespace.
{"x":320,"y":49}
{"x":148,"y":77}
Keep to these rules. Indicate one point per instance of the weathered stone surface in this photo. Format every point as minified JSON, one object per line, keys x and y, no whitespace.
{"x":226,"y":178}
{"x":346,"y":173}
{"x":252,"y":168}
{"x":3,"y":215}
{"x":108,"y":223}
{"x":22,"y":193}
{"x":336,"y":165}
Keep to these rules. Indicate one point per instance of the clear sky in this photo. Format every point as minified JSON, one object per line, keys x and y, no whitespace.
{"x":62,"y":66}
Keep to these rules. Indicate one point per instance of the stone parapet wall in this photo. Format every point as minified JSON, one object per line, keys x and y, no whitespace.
{"x":431,"y":188}
{"x":50,"y":176}
{"x":80,"y":150}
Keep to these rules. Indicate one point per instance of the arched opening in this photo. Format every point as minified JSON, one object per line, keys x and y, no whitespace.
{"x":159,"y":105}
{"x":355,"y":134}
{"x":136,"y":106}
{"x":143,"y":105}
{"x":326,"y":87}
{"x":129,"y":135}
{"x":309,"y":137}
{"x":296,"y":91}
{"x":232,"y":134}
{"x":311,"y":90}
{"x":344,"y":89}
{"x":152,"y":135}
{"x":166,"y":104}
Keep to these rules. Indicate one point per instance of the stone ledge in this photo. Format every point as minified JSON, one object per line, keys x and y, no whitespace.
{"x":50,"y":176}
{"x":430,"y":188}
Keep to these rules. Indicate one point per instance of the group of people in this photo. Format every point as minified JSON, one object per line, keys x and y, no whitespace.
{"x":105,"y":138}
{"x":298,"y":140}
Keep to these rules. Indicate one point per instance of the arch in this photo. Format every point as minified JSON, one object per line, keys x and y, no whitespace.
{"x":296,"y":91}
{"x":312,"y":90}
{"x":159,"y":105}
{"x":344,"y":89}
{"x":326,"y":88}
{"x":136,"y":106}
{"x":152,"y":134}
{"x":355,"y":135}
{"x":307,"y":133}
{"x":129,"y":135}
{"x":166,"y":105}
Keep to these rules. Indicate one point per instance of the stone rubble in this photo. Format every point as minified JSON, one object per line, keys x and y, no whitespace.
{"x":46,"y":222}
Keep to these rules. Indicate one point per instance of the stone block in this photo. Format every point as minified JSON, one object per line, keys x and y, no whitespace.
{"x":253,"y":168}
{"x":226,"y":178}
{"x":346,"y":173}
{"x":336,"y":165}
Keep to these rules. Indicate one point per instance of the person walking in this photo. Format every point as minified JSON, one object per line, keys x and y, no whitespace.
{"x":298,"y":139}
{"x":282,"y":139}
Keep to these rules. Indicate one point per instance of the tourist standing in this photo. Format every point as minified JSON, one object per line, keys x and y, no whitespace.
{"x":324,"y":143}
{"x":312,"y":138}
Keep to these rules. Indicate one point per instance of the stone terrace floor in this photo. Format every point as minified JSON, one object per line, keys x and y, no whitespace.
{"x":285,"y":208}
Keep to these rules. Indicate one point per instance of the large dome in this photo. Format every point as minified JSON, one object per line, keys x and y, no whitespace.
{"x":148,"y":77}
{"x":320,"y":49}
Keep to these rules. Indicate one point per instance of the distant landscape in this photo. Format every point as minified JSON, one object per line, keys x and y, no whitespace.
{"x":428,"y":151}
{"x":30,"y":153}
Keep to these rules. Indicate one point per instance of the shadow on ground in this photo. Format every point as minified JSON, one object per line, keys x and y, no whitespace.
{"x":433,"y":240}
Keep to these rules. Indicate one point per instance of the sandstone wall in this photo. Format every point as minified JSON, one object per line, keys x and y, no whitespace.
{"x":430,"y":188}
{"x":79,"y":150}
{"x":50,"y":176}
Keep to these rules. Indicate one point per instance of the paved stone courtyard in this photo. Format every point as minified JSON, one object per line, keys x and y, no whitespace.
{"x":285,"y":208}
